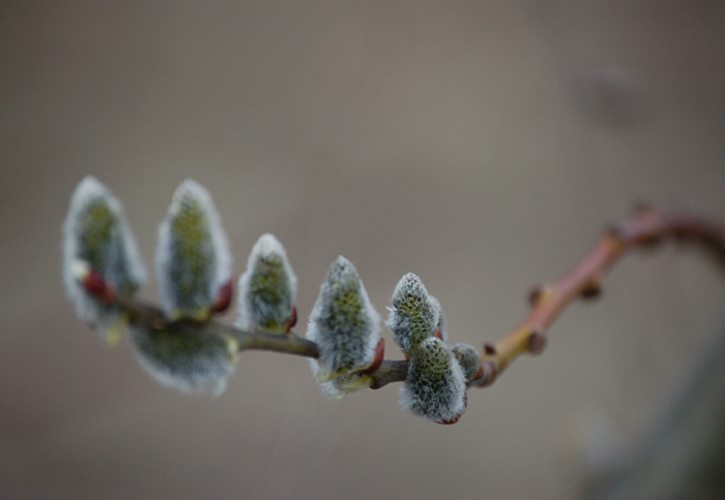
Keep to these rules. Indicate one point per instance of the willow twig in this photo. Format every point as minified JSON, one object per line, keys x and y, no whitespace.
{"x":647,"y":227}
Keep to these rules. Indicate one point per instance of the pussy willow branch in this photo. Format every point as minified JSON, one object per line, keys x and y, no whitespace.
{"x":646,"y":228}
{"x":141,"y":313}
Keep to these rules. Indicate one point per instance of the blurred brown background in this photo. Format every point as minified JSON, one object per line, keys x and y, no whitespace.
{"x":481,"y":144}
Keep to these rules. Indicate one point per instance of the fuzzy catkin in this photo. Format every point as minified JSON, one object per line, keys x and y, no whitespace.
{"x":343,"y":323}
{"x":186,"y":357}
{"x":469,"y":359}
{"x":435,"y":387}
{"x":96,"y":235}
{"x":414,"y":314}
{"x":267,"y":288}
{"x":192,"y":256}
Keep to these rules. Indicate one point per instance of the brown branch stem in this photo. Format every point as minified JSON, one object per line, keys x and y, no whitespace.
{"x":645,"y":228}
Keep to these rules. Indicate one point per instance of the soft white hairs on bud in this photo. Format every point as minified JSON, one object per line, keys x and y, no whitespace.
{"x":186,"y":357}
{"x":342,"y":385}
{"x":192,"y":256}
{"x":435,"y":387}
{"x":343,"y":323}
{"x":267,"y":288}
{"x":96,"y":235}
{"x":414,"y":314}
{"x":469,"y":359}
{"x":442,"y":324}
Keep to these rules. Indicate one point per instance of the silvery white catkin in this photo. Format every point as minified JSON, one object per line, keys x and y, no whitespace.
{"x":185,"y":356}
{"x":435,"y":387}
{"x":414,"y":315}
{"x":192,"y":256}
{"x":343,"y":323}
{"x":267,"y":288}
{"x":97,"y":236}
{"x":469,"y":359}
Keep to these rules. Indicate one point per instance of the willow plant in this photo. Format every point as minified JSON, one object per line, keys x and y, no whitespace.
{"x":182,"y":345}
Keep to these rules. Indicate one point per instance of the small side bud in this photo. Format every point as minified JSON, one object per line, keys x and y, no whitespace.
{"x":467,"y":356}
{"x":267,"y":289}
{"x":535,"y":294}
{"x":224,"y":298}
{"x":415,"y":315}
{"x":592,"y":289}
{"x":540,"y":294}
{"x":344,"y":324}
{"x":187,"y":357}
{"x":92,"y":282}
{"x":100,"y":256}
{"x":537,"y":342}
{"x":292,"y":321}
{"x":435,"y":387}
{"x":193,"y":263}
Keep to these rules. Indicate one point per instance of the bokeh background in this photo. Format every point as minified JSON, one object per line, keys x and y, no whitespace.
{"x":480,"y":144}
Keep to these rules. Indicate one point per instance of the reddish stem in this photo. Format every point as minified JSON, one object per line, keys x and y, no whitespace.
{"x":647,"y":227}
